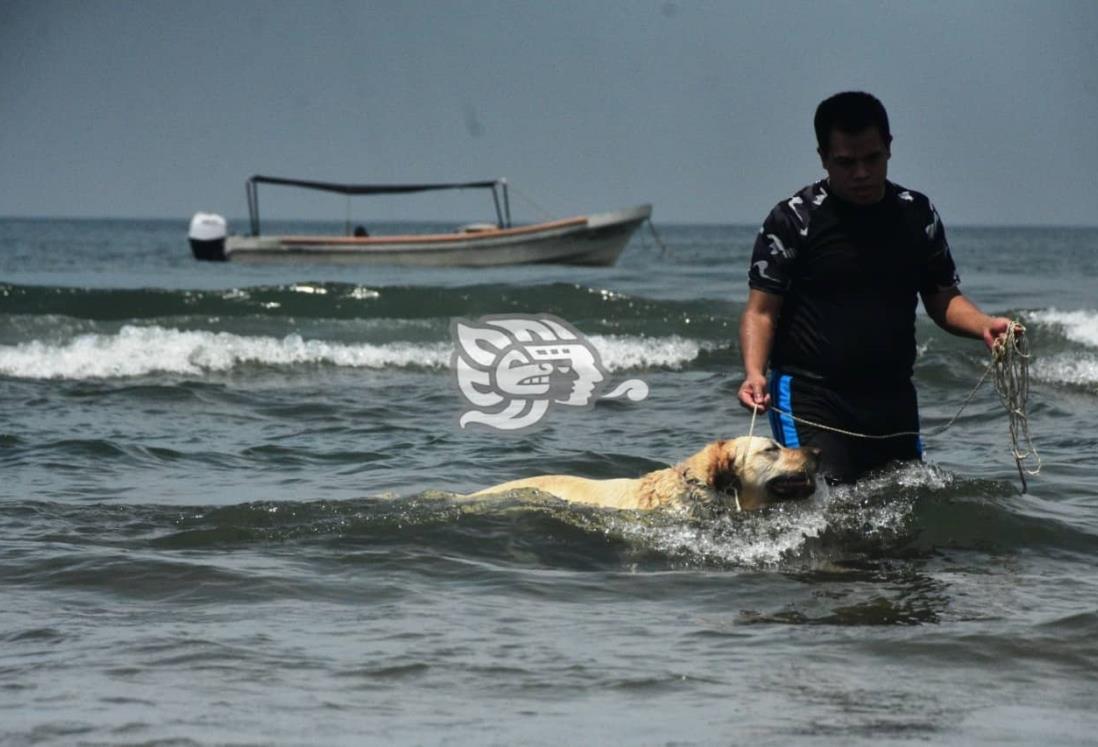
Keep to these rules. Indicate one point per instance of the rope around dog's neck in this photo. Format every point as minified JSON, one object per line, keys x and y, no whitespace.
{"x":1010,"y":366}
{"x":747,"y":451}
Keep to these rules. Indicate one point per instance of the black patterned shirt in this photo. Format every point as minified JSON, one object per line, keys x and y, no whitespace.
{"x":850,"y":277}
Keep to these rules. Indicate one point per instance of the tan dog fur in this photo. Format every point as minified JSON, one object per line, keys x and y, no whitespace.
{"x":751,"y":472}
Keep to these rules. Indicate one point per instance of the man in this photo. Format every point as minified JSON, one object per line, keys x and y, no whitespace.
{"x":834,"y":280}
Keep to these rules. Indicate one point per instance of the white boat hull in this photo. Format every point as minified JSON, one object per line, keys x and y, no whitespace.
{"x":589,"y":240}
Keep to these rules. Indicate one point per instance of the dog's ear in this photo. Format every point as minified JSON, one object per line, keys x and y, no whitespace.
{"x":723,"y":474}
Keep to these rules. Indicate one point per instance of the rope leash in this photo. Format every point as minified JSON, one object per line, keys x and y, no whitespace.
{"x":1010,"y":365}
{"x":1010,"y":357}
{"x":747,"y":452}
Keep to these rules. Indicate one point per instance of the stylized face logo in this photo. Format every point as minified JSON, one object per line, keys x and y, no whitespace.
{"x":517,"y":377}
{"x":574,"y":371}
{"x":512,"y":368}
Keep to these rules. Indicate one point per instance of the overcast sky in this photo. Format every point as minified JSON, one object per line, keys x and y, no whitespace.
{"x":159,"y":109}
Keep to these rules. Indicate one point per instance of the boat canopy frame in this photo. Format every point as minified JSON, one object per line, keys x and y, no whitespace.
{"x":498,"y":188}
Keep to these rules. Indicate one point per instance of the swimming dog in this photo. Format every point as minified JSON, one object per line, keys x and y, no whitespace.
{"x":745,"y":473}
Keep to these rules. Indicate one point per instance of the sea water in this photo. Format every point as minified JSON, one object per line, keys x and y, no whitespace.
{"x":227,"y":515}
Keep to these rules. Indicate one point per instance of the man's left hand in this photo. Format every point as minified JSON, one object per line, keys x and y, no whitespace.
{"x":997,"y":327}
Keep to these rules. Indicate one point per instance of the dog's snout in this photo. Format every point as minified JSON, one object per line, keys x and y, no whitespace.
{"x":814,"y":455}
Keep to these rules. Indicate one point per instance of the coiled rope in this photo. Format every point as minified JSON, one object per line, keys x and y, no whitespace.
{"x":1009,"y":369}
{"x":1010,"y":361}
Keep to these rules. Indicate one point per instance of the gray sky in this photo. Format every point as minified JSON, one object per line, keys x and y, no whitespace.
{"x":159,"y":109}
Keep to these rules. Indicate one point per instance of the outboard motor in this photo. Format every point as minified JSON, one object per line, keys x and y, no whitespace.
{"x":207,"y":235}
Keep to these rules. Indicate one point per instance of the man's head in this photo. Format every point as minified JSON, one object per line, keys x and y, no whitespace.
{"x":854,"y":143}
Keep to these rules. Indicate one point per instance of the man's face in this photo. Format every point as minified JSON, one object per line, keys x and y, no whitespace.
{"x":857,"y":165}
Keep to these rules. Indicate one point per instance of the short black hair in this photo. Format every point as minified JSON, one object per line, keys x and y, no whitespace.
{"x":850,"y":112}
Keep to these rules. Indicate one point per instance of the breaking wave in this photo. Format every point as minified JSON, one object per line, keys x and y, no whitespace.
{"x":1077,"y":326}
{"x":143,"y":350}
{"x":1068,"y":368}
{"x":1074,"y":366}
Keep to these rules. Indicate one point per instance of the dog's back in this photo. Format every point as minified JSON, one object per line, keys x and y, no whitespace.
{"x":616,"y":493}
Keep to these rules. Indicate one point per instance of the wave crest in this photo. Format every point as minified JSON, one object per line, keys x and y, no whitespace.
{"x":1077,"y":326}
{"x":144,"y":350}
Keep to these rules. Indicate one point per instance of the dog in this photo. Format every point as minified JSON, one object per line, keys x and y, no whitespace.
{"x":744,"y":473}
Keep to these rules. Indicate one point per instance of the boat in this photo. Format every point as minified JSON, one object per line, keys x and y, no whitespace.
{"x":597,"y":239}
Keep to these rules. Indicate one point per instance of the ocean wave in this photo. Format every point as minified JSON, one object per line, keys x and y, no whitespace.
{"x":913,"y":510}
{"x":1073,"y":367}
{"x":144,"y":350}
{"x":766,"y":539}
{"x":622,"y":353}
{"x":1068,"y":368}
{"x":138,"y":351}
{"x":1077,"y":326}
{"x":593,"y":310}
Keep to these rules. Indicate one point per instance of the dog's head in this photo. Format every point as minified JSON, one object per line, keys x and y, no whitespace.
{"x":757,"y":471}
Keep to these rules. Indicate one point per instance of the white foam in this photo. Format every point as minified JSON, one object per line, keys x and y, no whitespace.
{"x":358,"y":292}
{"x":139,"y":351}
{"x":780,"y":537}
{"x":1078,"y":326}
{"x":144,"y":350}
{"x":621,"y":353}
{"x":364,"y":294}
{"x":764,"y":539}
{"x":1067,"y":368}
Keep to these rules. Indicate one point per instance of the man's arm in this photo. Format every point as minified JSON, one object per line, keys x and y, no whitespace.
{"x":757,"y":326}
{"x":954,"y":313}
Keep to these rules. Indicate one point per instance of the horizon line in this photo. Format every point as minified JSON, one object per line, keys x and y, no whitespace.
{"x":677,"y":223}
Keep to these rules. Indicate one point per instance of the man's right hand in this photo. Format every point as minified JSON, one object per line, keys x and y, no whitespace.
{"x":753,"y":393}
{"x":757,"y":325}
